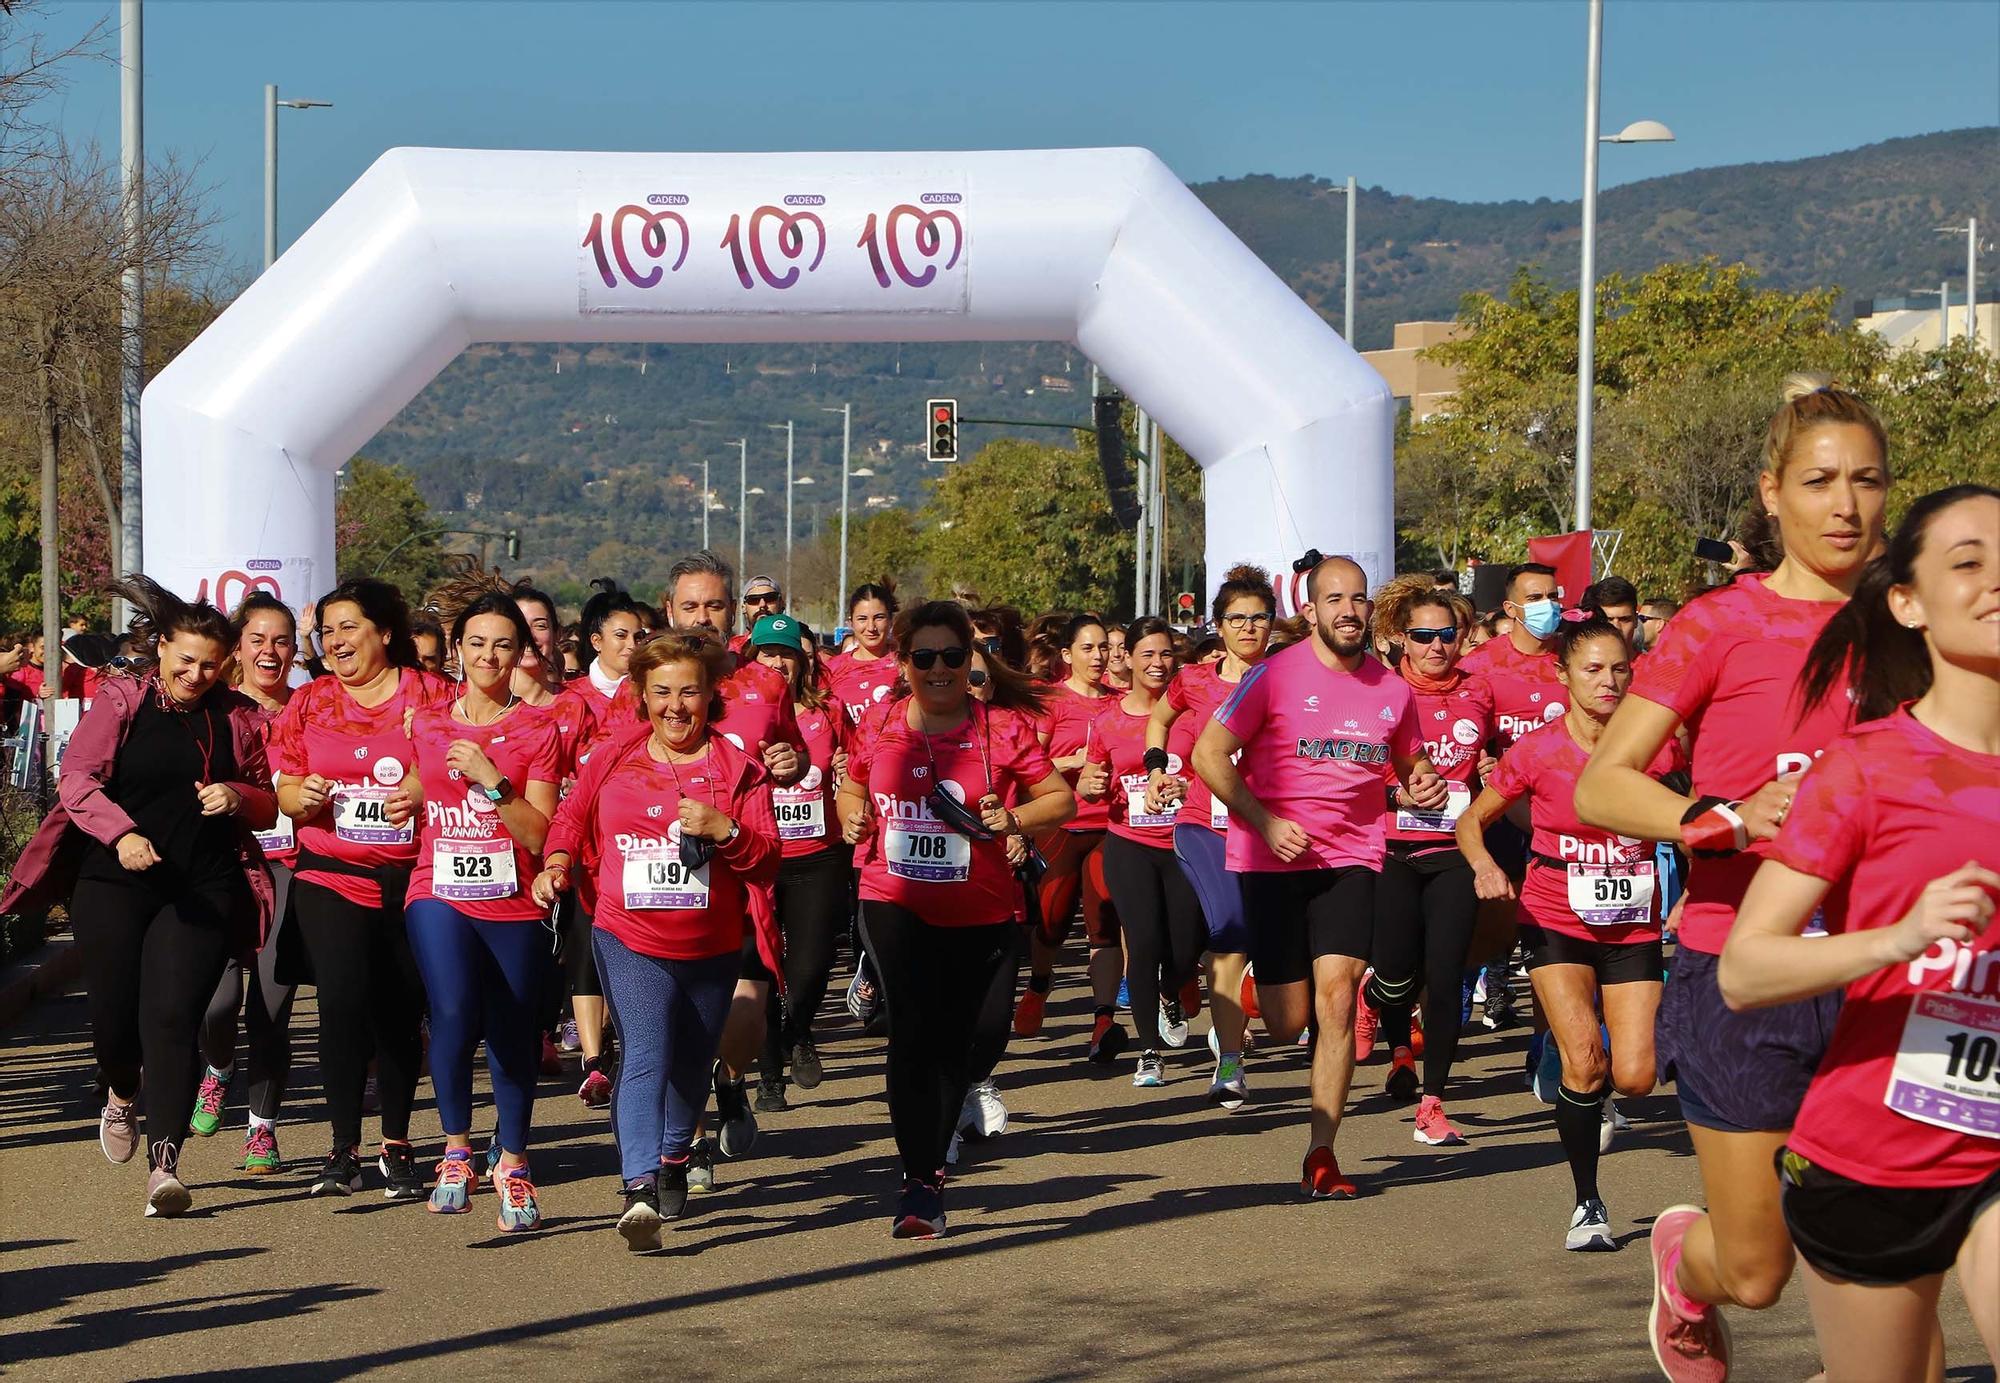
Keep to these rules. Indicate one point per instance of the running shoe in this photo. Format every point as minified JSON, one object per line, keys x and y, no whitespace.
{"x":673,"y":1188}
{"x":1690,"y":1339}
{"x":491,"y":1159}
{"x":738,"y":1131}
{"x":398,"y":1166}
{"x":519,"y":1211}
{"x":1028,"y":1014}
{"x":1191,"y":997}
{"x":1214,"y":1042}
{"x":452,"y":1193}
{"x":985,"y":1114}
{"x":1548,"y":1078}
{"x":920,"y":1211}
{"x":551,"y":1056}
{"x":864,"y":1000}
{"x":701,"y":1167}
{"x":1124,"y":996}
{"x":165,"y":1196}
{"x":1432,"y":1127}
{"x":1590,"y":1229}
{"x":207,"y":1116}
{"x":1403,"y":1082}
{"x":1107,"y":1040}
{"x":1230,"y":1088}
{"x":1366,"y":1022}
{"x":567,"y":1036}
{"x":1173,"y":1023}
{"x":1151,"y":1071}
{"x":1613,"y":1125}
{"x":771,"y":1097}
{"x":595,"y":1090}
{"x":1322,"y":1179}
{"x":806,"y":1067}
{"x":1417,"y":1033}
{"x":951,"y":1149}
{"x":1246,"y":995}
{"x":341,"y":1176}
{"x":118,"y":1130}
{"x":640,"y":1224}
{"x":260,"y":1151}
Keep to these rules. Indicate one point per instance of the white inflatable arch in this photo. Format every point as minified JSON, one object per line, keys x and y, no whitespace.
{"x":435,"y":249}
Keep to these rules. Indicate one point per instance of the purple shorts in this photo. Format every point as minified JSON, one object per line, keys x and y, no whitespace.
{"x":1737,"y":1072}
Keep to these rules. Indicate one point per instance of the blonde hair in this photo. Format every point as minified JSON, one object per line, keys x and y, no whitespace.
{"x":698,"y":646}
{"x":1395,"y":600}
{"x":1813,"y":400}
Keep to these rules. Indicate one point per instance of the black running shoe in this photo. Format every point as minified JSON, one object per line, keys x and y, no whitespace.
{"x":398,"y":1165}
{"x":738,"y":1131}
{"x":771,"y":1097}
{"x":806,"y":1068}
{"x":673,"y":1190}
{"x":919,"y":1211}
{"x":640,"y":1224}
{"x":341,"y":1176}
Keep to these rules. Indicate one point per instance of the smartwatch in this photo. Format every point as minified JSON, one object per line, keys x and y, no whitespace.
{"x":499,"y":792}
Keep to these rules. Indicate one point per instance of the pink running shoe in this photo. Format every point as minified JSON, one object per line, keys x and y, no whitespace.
{"x":1432,"y":1126}
{"x":1366,"y":1020}
{"x":596,"y":1090}
{"x":1690,"y":1339}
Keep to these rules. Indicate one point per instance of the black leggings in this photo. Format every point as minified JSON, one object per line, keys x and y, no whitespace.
{"x":939,"y":984}
{"x":267,"y":1016}
{"x":371,"y":1003}
{"x":1425,"y":909}
{"x":995,"y":1023}
{"x":150,"y":962}
{"x":812,"y":912}
{"x":579,"y":961}
{"x":1164,"y":930}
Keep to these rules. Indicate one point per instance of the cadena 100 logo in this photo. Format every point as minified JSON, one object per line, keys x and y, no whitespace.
{"x":776,"y":247}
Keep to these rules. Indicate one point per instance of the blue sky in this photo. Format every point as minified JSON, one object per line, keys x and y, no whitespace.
{"x":1478,"y":101}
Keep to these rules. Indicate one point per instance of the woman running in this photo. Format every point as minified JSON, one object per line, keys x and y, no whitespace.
{"x":1425,"y":904}
{"x":1158,"y":912}
{"x":815,"y":865}
{"x":165,"y":779}
{"x":485,"y":780}
{"x":1118,"y":667}
{"x":1727,"y":671}
{"x":615,"y":626}
{"x":938,"y":897}
{"x":680,"y":823}
{"x":1892,"y":1172}
{"x":1242,"y":609}
{"x":1075,"y":861}
{"x":1590,"y":911}
{"x":264,"y":651}
{"x":342,"y":749}
{"x":867,"y":675}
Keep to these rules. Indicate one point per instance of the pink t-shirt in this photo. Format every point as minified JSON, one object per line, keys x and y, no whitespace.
{"x":1070,"y":722}
{"x":1729,"y":666}
{"x":1120,"y":740}
{"x":757,"y":711}
{"x":1315,"y":740}
{"x":1195,"y":692}
{"x":861,"y":683}
{"x":465,"y":856}
{"x":1526,"y":691}
{"x":806,"y":820}
{"x":1908,"y":1093}
{"x":1456,"y":725}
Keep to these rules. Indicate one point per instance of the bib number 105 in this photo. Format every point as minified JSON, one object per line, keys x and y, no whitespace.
{"x":1975,"y":1058}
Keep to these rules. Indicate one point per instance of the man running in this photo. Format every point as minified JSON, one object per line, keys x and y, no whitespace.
{"x":1314,"y":725}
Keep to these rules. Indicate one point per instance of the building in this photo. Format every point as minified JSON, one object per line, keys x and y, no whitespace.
{"x":1422,"y":385}
{"x":1911,"y":323}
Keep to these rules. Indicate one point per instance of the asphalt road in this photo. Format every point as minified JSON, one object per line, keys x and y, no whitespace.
{"x":1110,"y":1232}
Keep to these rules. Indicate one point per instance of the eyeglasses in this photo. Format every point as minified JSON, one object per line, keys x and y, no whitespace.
{"x":976,"y":678}
{"x":924,"y":659}
{"x":1448,"y":635}
{"x":1242,"y":621}
{"x":991,"y":643}
{"x":1652,"y":619}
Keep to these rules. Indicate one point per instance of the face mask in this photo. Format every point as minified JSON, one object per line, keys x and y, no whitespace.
{"x":1543,"y":617}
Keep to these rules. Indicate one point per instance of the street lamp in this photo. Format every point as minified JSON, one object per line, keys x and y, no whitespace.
{"x":748,"y":495}
{"x":1970,"y":230}
{"x":271,"y":104}
{"x":1638,"y":132}
{"x":846,"y":411}
{"x":789,"y":438}
{"x":1347,"y":275}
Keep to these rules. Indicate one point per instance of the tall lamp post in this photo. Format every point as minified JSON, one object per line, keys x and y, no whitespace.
{"x":1347,"y":275}
{"x":131,"y":288}
{"x":790,"y":431}
{"x":846,"y":411}
{"x":1970,"y":230}
{"x":271,"y":104}
{"x":1638,"y":132}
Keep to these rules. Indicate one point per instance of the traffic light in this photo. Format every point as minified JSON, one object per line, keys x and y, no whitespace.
{"x":1184,"y":605}
{"x":942,"y":424}
{"x":513,"y":544}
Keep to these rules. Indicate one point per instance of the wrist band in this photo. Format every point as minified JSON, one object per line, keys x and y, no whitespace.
{"x":1714,"y":826}
{"x":1155,"y":761}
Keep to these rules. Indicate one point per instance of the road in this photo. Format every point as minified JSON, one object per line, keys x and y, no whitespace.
{"x":1110,"y":1232}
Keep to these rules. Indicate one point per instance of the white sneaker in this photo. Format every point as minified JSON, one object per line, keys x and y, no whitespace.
{"x":984,"y":1115}
{"x":1150,"y":1072}
{"x":1173,"y":1024}
{"x":1229,"y":1088}
{"x":1214,"y":1043}
{"x":1613,"y":1125}
{"x":1590,"y":1229}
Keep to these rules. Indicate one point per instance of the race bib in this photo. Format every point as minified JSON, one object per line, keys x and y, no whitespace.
{"x":280,"y":838}
{"x":1135,"y":804}
{"x":801,"y":815}
{"x":361,"y":815}
{"x":927,"y":852}
{"x":469,"y":870}
{"x":656,"y":878}
{"x":1611,"y":895}
{"x":1218,"y":814}
{"x":1444,"y":820}
{"x":1947,"y":1069}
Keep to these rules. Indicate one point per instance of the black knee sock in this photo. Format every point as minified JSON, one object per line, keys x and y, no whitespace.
{"x":1394,"y":1027}
{"x":1040,"y":983}
{"x":1578,"y":1119}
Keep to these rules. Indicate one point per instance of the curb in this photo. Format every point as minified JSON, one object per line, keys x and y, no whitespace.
{"x":56,"y":967}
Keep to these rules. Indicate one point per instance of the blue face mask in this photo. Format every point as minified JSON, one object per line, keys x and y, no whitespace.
{"x":1543,"y":617}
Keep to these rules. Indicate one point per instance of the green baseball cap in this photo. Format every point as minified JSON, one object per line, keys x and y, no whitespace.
{"x":779,"y":630}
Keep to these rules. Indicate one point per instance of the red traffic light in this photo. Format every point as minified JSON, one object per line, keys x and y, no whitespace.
{"x":942,"y":415}
{"x":1185,"y":600}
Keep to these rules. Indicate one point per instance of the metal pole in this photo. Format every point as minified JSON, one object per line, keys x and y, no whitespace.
{"x":1159,"y":519}
{"x":788,"y":508}
{"x":1972,"y":280}
{"x":846,"y":441}
{"x":51,"y":608}
{"x":1347,"y":280}
{"x":742,"y":502}
{"x":1944,"y":314}
{"x":1145,"y":494}
{"x":705,"y":495}
{"x":1586,"y":324}
{"x":270,"y":173}
{"x":132,"y":286}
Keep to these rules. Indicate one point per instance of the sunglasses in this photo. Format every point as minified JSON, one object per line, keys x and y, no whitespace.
{"x":924,"y":659}
{"x":976,"y":678}
{"x":1431,"y":635}
{"x":766,"y":598}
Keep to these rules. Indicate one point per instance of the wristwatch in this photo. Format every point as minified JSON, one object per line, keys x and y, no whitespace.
{"x":499,"y":792}
{"x":735,"y":830}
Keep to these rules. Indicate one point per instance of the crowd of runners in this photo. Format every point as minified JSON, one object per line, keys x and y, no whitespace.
{"x":650,"y":837}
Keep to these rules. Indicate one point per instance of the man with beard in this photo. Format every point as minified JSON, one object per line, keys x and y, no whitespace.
{"x":1316,"y":726}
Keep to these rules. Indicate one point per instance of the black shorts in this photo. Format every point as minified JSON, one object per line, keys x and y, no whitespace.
{"x":753,"y":968}
{"x":1623,"y":963}
{"x":1297,"y":916}
{"x":1877,"y":1235}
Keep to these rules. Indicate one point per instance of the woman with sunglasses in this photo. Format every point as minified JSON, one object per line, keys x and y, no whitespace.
{"x":1074,"y":853}
{"x":1425,"y":904}
{"x":1242,"y":609}
{"x":866,"y":676}
{"x":679,"y":821}
{"x":938,"y":896}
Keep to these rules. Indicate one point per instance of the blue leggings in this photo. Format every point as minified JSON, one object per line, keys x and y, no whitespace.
{"x":1202,"y":856}
{"x":668,"y":1015}
{"x":484,"y":979}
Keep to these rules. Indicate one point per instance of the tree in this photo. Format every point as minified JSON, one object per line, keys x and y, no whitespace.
{"x":382,"y":527}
